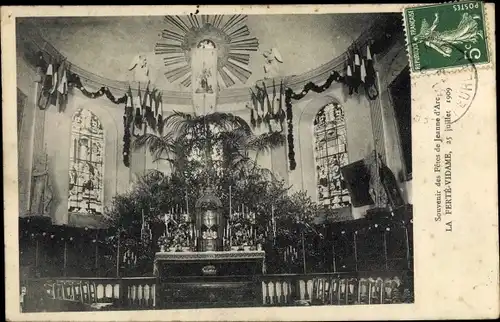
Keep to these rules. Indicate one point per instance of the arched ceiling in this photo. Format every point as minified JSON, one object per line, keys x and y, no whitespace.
{"x":106,"y":45}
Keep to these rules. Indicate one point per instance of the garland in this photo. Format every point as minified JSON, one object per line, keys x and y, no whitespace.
{"x":126,"y":141}
{"x":57,"y":78}
{"x":334,"y":76}
{"x":289,"y":117}
{"x":74,"y":80}
{"x":289,"y":95}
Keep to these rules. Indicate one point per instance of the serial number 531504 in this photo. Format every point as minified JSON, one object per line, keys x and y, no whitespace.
{"x":465,"y":6}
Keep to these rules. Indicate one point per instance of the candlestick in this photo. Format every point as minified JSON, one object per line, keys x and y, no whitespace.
{"x":166,"y":224}
{"x":230,"y":215}
{"x":273,"y":221}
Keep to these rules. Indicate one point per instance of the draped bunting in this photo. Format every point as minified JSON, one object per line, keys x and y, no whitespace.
{"x":289,"y":95}
{"x":56,"y":79}
{"x":358,"y":70}
{"x":267,"y":109}
{"x":74,"y":81}
{"x":142,"y":112}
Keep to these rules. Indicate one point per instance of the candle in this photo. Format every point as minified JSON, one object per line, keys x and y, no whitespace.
{"x":166,"y":224}
{"x":273,"y":221}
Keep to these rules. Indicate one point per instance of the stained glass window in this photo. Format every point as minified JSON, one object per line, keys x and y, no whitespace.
{"x":86,"y":164}
{"x":330,"y":149}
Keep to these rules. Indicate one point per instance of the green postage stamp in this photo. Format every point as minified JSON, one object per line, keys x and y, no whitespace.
{"x":446,"y":35}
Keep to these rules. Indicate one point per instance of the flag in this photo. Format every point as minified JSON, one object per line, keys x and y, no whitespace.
{"x":145,"y":102}
{"x":52,"y":92}
{"x":273,"y":111}
{"x":62,"y":88}
{"x":153,"y":106}
{"x":266,"y":96}
{"x":261,"y":99}
{"x":349,"y":77}
{"x":370,"y":68}
{"x":138,"y":99}
{"x":255,"y":102}
{"x":252,"y":119}
{"x":48,"y":77}
{"x":55,"y":79}
{"x":159,"y":123}
{"x":281,"y":111}
{"x":269,"y":114}
{"x":138,"y":108}
{"x":356,"y":72}
{"x":354,"y":69}
{"x":43,"y":95}
{"x":363,"y":71}
{"x":152,"y":102}
{"x":129,"y":106}
{"x":368,"y":53}
{"x":41,"y":67}
{"x":48,"y":94}
{"x":156,"y":104}
{"x":356,"y":60}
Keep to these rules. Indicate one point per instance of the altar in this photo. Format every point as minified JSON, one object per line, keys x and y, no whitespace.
{"x":208,"y":279}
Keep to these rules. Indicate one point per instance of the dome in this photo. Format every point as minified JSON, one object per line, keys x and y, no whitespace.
{"x":106,"y":46}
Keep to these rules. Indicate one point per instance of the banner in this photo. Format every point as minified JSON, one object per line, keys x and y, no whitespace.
{"x":204,"y":80}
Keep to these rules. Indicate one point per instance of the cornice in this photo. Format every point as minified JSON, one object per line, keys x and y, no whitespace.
{"x":30,"y":39}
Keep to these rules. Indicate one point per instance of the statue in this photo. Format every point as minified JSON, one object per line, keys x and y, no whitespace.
{"x":140,"y":68}
{"x":467,"y":31}
{"x":42,"y":194}
{"x":373,"y":163}
{"x":272,"y":61}
{"x":205,"y":87}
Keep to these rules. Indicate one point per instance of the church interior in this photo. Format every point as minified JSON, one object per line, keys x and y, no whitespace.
{"x":266,"y":156}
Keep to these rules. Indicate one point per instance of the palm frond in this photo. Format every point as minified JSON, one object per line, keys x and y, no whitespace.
{"x":266,"y":141}
{"x":226,"y":121}
{"x":180,"y":123}
{"x":157,"y":145}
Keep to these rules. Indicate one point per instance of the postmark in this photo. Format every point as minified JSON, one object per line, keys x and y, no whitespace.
{"x":457,"y":91}
{"x":446,"y":36}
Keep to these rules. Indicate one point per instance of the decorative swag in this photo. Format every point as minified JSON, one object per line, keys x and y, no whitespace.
{"x":359,"y":70}
{"x":145,"y":111}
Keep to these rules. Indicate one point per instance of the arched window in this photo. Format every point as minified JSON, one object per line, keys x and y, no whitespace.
{"x":86,"y":164}
{"x":330,"y":149}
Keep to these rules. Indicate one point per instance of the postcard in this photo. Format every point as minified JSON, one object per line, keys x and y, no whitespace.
{"x":300,"y":162}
